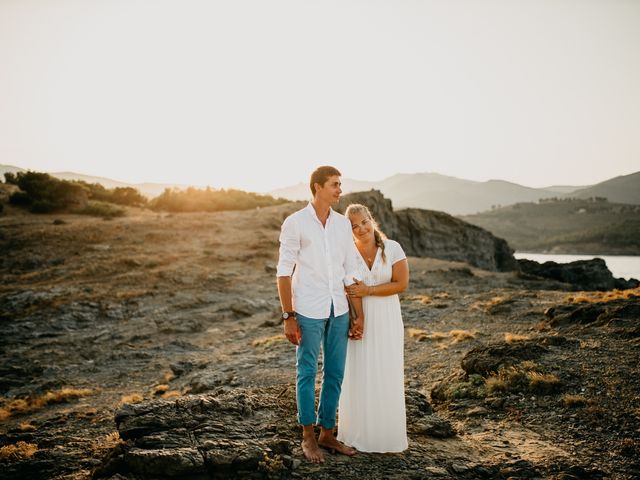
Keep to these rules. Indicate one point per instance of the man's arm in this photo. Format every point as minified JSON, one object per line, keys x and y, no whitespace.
{"x":291,"y":327}
{"x":289,"y":248}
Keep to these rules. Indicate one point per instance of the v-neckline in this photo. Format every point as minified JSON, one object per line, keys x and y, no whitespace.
{"x":375,"y":257}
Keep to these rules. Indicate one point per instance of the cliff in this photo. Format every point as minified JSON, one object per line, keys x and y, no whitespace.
{"x":428,"y":233}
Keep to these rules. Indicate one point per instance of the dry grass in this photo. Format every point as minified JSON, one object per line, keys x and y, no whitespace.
{"x":487,"y":304}
{"x":543,"y":382}
{"x":529,"y":365}
{"x":455,"y":335}
{"x":422,"y":299}
{"x":19,"y":451}
{"x":28,"y":405}
{"x":571,"y":400}
{"x":460,"y":335}
{"x":426,"y":299}
{"x":26,"y":427}
{"x":171,"y":394}
{"x":495,"y":384}
{"x":4,"y":414}
{"x":514,"y":337}
{"x":597,"y":297}
{"x":522,"y":377}
{"x":132,"y":398}
{"x":268,"y":341}
{"x":112,"y":440}
{"x":591,"y":343}
{"x":160,"y":389}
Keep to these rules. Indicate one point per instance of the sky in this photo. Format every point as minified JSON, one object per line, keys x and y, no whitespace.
{"x":255,"y":94}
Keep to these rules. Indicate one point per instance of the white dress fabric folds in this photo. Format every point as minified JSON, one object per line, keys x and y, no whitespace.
{"x":372,"y":415}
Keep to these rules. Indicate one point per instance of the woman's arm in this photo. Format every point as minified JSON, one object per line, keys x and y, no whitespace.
{"x":399,"y":282}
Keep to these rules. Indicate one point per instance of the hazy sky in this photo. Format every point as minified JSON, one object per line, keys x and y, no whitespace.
{"x":255,"y":94}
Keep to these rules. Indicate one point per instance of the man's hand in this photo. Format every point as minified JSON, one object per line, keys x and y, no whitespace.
{"x":358,"y":289}
{"x":292,"y":330}
{"x":357,"y":329}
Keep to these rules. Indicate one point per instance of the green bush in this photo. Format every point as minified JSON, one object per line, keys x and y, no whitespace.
{"x":120,"y":195}
{"x":42,"y":193}
{"x":210,"y":200}
{"x":101,"y":209}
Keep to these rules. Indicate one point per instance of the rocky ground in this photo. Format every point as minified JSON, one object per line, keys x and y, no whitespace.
{"x":149,"y":346}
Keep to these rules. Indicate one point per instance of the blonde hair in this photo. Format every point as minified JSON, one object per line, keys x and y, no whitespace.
{"x":379,"y":236}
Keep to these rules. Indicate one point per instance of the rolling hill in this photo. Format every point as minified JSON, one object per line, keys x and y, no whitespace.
{"x":595,"y":227}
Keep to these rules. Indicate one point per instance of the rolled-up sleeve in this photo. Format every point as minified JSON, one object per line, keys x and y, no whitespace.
{"x":289,"y":247}
{"x":351,"y":262}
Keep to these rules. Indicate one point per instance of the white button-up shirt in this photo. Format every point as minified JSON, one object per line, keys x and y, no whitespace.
{"x":325,"y":260}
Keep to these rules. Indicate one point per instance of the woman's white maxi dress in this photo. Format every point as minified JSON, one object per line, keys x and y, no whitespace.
{"x":372,"y":415}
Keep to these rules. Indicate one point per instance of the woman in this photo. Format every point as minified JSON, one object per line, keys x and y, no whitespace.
{"x":372,"y":413}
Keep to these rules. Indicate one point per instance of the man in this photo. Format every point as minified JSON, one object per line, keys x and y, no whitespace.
{"x":317,"y":259}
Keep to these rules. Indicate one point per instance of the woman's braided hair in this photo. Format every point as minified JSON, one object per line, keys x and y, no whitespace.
{"x":377,"y":233}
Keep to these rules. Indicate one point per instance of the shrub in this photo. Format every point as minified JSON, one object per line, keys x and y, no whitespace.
{"x":522,"y":378}
{"x":471,"y":387}
{"x":42,"y":193}
{"x":210,"y":200}
{"x":101,"y":209}
{"x":120,"y":195}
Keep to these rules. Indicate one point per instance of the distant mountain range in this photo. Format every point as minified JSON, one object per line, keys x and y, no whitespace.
{"x":148,"y":189}
{"x":424,"y":190}
{"x":462,"y":197}
{"x":575,"y":226}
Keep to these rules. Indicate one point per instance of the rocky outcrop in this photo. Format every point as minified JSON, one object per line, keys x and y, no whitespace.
{"x":621,"y":316}
{"x":237,"y":433}
{"x":582,"y":274}
{"x":489,"y":359}
{"x":428,"y":233}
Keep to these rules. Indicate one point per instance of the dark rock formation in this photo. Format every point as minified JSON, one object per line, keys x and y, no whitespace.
{"x":582,"y":274}
{"x":487,"y":359}
{"x":216,"y":436}
{"x":234,"y":433}
{"x":428,"y":233}
{"x":622,"y":316}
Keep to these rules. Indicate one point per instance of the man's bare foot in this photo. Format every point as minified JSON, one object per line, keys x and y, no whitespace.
{"x":328,"y":441}
{"x":311,"y":450}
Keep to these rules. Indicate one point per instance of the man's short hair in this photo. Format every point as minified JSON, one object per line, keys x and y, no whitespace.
{"x":320,"y":175}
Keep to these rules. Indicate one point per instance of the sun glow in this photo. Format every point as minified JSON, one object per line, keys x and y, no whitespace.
{"x":255,"y":95}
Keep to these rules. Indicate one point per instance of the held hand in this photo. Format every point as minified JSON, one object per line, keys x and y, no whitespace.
{"x":357,"y":289}
{"x":356,"y":329}
{"x":292,"y":330}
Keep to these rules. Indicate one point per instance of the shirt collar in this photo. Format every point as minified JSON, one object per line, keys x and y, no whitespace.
{"x":312,"y":211}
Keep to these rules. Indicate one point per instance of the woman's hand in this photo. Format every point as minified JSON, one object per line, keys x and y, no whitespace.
{"x":358,"y":289}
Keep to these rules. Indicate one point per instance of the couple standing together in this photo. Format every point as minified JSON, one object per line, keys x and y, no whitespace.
{"x":327,"y":261}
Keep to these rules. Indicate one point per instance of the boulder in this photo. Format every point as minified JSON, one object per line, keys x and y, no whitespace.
{"x":489,"y":359}
{"x":581,"y":275}
{"x":429,"y":233}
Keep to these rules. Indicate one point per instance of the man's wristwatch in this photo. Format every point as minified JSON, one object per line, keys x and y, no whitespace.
{"x":286,"y":315}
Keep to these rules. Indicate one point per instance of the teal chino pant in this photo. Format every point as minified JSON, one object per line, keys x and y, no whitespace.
{"x":332,"y":334}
